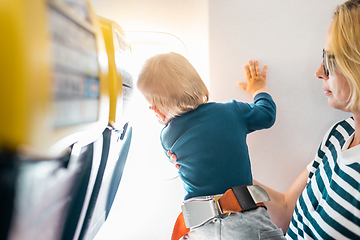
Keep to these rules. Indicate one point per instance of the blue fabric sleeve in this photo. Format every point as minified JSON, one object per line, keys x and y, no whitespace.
{"x":258,"y":115}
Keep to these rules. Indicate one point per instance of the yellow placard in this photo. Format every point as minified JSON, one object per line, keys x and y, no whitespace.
{"x":120,"y":77}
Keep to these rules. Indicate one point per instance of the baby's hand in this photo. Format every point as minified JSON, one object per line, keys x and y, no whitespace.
{"x":173,"y":159}
{"x":256,"y":82}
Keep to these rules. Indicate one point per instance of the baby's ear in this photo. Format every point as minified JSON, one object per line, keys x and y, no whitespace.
{"x":160,"y":114}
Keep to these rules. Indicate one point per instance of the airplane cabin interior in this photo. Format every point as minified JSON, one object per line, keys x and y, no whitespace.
{"x":80,"y":153}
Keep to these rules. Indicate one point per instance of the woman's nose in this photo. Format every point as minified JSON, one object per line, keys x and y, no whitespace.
{"x":320,"y":74}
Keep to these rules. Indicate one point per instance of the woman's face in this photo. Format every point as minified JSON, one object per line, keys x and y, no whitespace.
{"x":335,"y":86}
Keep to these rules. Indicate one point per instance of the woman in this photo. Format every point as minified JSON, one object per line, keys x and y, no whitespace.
{"x":324,"y":201}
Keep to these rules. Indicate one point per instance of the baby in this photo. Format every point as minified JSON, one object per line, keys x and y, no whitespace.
{"x":209,"y":138}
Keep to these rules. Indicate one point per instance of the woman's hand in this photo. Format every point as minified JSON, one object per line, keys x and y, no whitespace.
{"x":256,"y":82}
{"x":281,"y":206}
{"x":173,"y":159}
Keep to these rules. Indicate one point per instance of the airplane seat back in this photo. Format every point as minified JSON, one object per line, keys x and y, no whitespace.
{"x":117,"y":173}
{"x":117,"y":136}
{"x":40,"y":194}
{"x":102,"y":194}
{"x":55,"y":133}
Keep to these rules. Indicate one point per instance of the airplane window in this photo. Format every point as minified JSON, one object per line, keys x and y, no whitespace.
{"x":146,"y":151}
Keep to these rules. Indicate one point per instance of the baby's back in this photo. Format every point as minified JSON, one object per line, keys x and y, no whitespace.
{"x":210,"y":145}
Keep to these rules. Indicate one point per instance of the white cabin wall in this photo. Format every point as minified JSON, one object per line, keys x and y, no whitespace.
{"x":289,"y":37}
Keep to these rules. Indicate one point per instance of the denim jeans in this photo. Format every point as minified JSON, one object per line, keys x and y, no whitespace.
{"x":253,"y":224}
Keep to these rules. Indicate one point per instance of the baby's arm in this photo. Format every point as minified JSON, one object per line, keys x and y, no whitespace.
{"x":256,"y":82}
{"x":262,"y":113}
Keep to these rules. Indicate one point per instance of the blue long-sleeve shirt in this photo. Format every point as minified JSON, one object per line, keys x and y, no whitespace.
{"x":210,"y":143}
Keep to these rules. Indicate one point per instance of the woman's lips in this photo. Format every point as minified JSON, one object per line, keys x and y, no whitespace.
{"x":327,"y":92}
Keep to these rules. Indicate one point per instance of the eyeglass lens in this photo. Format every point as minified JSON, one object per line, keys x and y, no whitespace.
{"x":326,"y":70}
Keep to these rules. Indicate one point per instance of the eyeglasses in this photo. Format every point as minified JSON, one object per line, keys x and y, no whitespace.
{"x":326,"y":70}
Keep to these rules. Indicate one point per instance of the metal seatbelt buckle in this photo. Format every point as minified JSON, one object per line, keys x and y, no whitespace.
{"x":258,"y":194}
{"x":249,"y":196}
{"x":199,"y":211}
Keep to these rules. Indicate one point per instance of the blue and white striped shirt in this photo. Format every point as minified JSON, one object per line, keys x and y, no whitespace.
{"x":329,"y":206}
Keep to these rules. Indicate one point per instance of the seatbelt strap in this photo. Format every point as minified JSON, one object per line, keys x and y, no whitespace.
{"x":180,"y":228}
{"x":237,"y":199}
